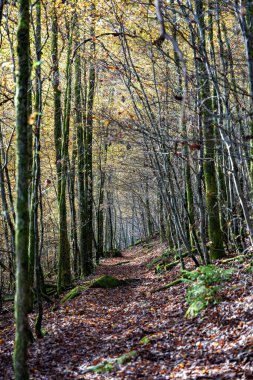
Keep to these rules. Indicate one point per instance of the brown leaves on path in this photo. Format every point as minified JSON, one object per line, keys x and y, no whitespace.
{"x":103,"y":324}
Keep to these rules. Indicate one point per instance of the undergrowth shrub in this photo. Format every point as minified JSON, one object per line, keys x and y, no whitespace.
{"x":160,"y":260}
{"x":205,"y":284}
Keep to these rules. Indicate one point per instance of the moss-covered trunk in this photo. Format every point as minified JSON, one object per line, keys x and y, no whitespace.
{"x":23,"y":151}
{"x":214,"y":228}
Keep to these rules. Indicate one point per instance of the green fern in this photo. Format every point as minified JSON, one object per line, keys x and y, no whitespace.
{"x":204,"y":287}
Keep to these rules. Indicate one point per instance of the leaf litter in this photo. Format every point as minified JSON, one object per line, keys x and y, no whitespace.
{"x":87,"y":337}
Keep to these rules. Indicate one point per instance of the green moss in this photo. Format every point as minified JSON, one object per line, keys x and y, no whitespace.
{"x":162,"y":263}
{"x":50,"y":289}
{"x":106,"y":282}
{"x":145,"y":340}
{"x":108,"y":365}
{"x":125,"y":358}
{"x":169,"y":285}
{"x":239,"y":258}
{"x":72,"y":294}
{"x":138,"y":242}
{"x":171,"y":265}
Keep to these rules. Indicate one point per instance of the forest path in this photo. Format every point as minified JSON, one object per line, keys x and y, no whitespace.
{"x":103,"y":323}
{"x":106,"y":323}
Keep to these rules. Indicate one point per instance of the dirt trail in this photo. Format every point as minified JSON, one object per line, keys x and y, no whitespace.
{"x":103,"y":323}
{"x":100,"y":323}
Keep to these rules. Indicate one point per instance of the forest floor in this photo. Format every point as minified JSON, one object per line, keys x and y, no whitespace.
{"x":106,"y":323}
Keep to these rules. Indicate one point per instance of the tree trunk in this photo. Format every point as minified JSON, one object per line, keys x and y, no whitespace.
{"x":64,"y":267}
{"x":87,"y":264}
{"x":22,"y":185}
{"x":214,"y":228}
{"x":61,"y":148}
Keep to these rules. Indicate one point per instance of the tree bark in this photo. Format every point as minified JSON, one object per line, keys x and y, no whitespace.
{"x":214,"y":228}
{"x":22,"y":185}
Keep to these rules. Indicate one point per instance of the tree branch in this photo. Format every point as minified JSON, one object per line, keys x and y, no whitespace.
{"x":90,"y":39}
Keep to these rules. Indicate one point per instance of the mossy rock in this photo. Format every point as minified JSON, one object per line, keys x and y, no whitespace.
{"x":106,"y":282}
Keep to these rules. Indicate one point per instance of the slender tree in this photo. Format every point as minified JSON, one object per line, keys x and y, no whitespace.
{"x":64,"y":268}
{"x":210,"y":177}
{"x":22,"y":185}
{"x":80,"y":156}
{"x":87,"y":263}
{"x":61,"y":135}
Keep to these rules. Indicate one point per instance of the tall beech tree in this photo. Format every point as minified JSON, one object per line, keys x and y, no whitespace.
{"x":208,"y":124}
{"x":23,"y":152}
